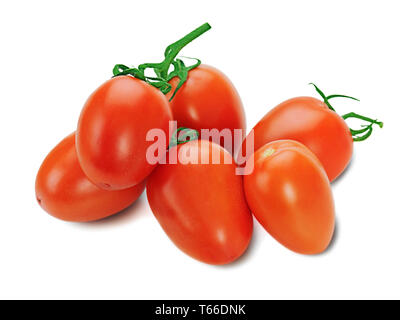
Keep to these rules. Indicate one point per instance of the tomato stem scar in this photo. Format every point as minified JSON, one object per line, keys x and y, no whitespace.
{"x":357,"y":134}
{"x":268,"y":152}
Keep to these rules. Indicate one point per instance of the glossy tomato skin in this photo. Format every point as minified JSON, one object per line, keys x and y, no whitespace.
{"x":208,"y":100}
{"x":63,"y":190}
{"x":112,"y":129}
{"x":311,"y":122}
{"x":202,"y":207}
{"x":290,"y":195}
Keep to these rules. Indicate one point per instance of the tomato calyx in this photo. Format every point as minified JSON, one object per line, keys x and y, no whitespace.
{"x":357,"y":134}
{"x":183,"y":135}
{"x":181,"y":71}
{"x":366,"y":131}
{"x":161,"y":69}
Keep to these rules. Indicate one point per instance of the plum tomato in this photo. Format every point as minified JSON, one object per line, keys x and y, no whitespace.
{"x":111,"y":136}
{"x":290,"y":195}
{"x":309,"y":121}
{"x":208,"y":100}
{"x":63,"y":190}
{"x":201,"y":206}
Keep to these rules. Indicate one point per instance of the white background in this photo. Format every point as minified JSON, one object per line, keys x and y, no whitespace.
{"x":55,"y":53}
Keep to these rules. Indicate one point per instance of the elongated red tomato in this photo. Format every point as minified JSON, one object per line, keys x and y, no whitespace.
{"x":112,"y":129}
{"x":63,"y":190}
{"x":289,"y":194}
{"x":208,"y":100}
{"x":311,"y":122}
{"x":200,"y":206}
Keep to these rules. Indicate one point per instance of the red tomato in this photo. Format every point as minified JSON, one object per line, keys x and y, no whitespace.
{"x":202,"y":207}
{"x":111,"y":135}
{"x":63,"y":190}
{"x":311,"y":122}
{"x":290,"y":195}
{"x":208,"y":100}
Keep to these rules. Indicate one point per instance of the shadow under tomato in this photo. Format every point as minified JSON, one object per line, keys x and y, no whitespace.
{"x":258,"y":233}
{"x":333,"y":240}
{"x":135,"y":211}
{"x":255,"y":241}
{"x":344,"y":173}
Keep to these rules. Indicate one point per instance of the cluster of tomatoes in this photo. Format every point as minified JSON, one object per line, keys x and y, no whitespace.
{"x":205,"y":208}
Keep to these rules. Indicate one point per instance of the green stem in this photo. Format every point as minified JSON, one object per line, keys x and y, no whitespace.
{"x":161,"y":69}
{"x":357,"y":138}
{"x":361,"y":117}
{"x":340,"y":96}
{"x":360,"y":134}
{"x":367,"y":130}
{"x":181,"y":71}
{"x":326,"y":100}
{"x":173,"y":49}
{"x":359,"y":131}
{"x":188,"y":135}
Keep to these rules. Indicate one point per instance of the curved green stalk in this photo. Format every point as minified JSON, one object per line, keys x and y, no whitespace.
{"x":357,"y":134}
{"x":161,"y":69}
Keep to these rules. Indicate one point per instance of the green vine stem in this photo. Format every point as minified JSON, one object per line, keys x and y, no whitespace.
{"x":181,"y":71}
{"x":357,"y":134}
{"x":186,"y":136}
{"x":161,"y":69}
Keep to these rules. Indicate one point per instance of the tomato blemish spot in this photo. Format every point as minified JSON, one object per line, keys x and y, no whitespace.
{"x":268,"y":152}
